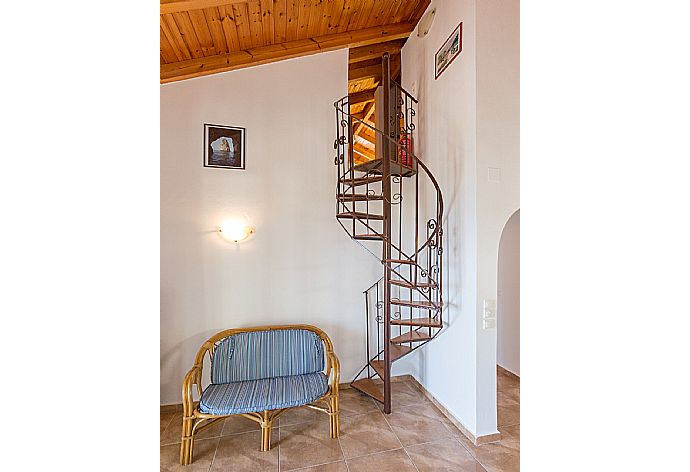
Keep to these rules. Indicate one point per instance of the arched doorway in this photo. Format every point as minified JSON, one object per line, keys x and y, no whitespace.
{"x":508,"y":326}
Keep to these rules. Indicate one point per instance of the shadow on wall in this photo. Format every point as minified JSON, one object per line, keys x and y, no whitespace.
{"x":508,"y":316}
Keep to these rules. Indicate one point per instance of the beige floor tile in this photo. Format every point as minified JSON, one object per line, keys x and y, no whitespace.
{"x":241,"y":453}
{"x":165,"y":420}
{"x":420,"y":424}
{"x":307,"y":444}
{"x":301,"y":414}
{"x":404,"y":394}
{"x":508,"y":413}
{"x":391,"y":461}
{"x":502,"y":456}
{"x":447,"y":455}
{"x":173,"y":433}
{"x":354,"y":402}
{"x":203,"y":455}
{"x":332,"y":467}
{"x":366,"y":434}
{"x":239,"y":424}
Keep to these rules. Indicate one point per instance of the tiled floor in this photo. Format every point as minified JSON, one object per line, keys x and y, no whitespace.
{"x":416,"y":437}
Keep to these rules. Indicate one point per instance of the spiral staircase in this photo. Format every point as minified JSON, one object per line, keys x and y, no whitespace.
{"x":392,"y":206}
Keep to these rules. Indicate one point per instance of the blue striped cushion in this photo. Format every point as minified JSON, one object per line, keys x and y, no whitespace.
{"x":266,"y":354}
{"x":263,"y":394}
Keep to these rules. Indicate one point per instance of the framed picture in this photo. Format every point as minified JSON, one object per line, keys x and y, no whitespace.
{"x":224,"y":146}
{"x":449,"y":51}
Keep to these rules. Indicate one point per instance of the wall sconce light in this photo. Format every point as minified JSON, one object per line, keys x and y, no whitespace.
{"x":425,"y":23}
{"x":235,"y":231}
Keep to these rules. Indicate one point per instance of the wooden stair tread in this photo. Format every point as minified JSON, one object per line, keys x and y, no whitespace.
{"x":379,"y":368}
{"x":412,"y":336}
{"x":359,"y":215}
{"x":425,"y":322}
{"x":360,"y":180}
{"x":402,"y":283}
{"x":399,"y":261}
{"x":398,"y":350}
{"x":368,"y":387}
{"x":358,"y":197}
{"x":369,"y":237}
{"x":415,"y":303}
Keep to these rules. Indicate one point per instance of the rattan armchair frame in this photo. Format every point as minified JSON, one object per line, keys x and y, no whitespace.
{"x":194,"y":421}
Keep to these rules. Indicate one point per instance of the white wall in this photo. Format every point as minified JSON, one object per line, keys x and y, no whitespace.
{"x":300,"y":267}
{"x":508,"y":329}
{"x":468,"y":122}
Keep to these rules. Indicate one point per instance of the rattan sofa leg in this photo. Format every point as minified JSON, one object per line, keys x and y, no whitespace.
{"x":334,"y":418}
{"x":187,"y":444}
{"x":266,"y":426}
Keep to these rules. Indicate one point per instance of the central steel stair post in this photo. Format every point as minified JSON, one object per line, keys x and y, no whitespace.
{"x":386,"y":118}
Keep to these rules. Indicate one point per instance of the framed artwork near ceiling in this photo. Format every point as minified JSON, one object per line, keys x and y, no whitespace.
{"x":224,"y":146}
{"x":449,"y":51}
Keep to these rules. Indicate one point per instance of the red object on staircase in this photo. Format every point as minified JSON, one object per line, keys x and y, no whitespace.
{"x":406,"y":149}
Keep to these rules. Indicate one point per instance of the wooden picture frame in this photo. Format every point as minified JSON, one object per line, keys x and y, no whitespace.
{"x":447,"y":53}
{"x":224,"y":146}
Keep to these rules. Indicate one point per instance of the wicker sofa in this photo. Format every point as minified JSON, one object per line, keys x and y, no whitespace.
{"x":259,"y":373}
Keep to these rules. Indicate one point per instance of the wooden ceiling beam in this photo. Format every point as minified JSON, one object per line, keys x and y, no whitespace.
{"x":201,"y":66}
{"x":364,"y":96}
{"x":366,"y":117}
{"x":175,"y":6}
{"x":375,"y":51}
{"x":365,"y":70}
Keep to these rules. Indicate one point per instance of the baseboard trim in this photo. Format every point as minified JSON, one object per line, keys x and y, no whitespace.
{"x":476,"y":440}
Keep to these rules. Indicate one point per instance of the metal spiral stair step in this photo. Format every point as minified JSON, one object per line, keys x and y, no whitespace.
{"x":411,"y":337}
{"x":402,"y":283}
{"x":425,"y":322}
{"x":358,"y":197}
{"x":359,"y":215}
{"x":369,"y":237}
{"x":415,"y":303}
{"x":399,"y":261}
{"x":368,"y":387}
{"x":357,"y":181}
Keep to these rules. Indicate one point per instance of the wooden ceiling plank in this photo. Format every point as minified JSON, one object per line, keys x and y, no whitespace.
{"x":176,"y":6}
{"x":184,"y":24}
{"x":267,"y":21}
{"x":303,"y":19}
{"x":227,"y":22}
{"x":224,"y":62}
{"x":338,"y":6}
{"x":280,"y":20}
{"x":315,"y":14}
{"x":242,"y":23}
{"x":255,"y":24}
{"x":203,"y":33}
{"x":326,"y":17}
{"x":392,"y":11}
{"x":418,"y":12}
{"x":292,"y":19}
{"x":372,"y":51}
{"x":215,"y":26}
{"x":363,"y":16}
{"x":167,"y":51}
{"x":377,"y":13}
{"x":174,"y":38}
{"x":364,"y":70}
{"x":349,"y":9}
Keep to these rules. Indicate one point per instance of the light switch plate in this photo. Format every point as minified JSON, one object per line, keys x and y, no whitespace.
{"x":494,"y":174}
{"x":489,"y":308}
{"x":490,"y":323}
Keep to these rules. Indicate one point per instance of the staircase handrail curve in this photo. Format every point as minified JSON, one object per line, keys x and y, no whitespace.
{"x":439,"y":196}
